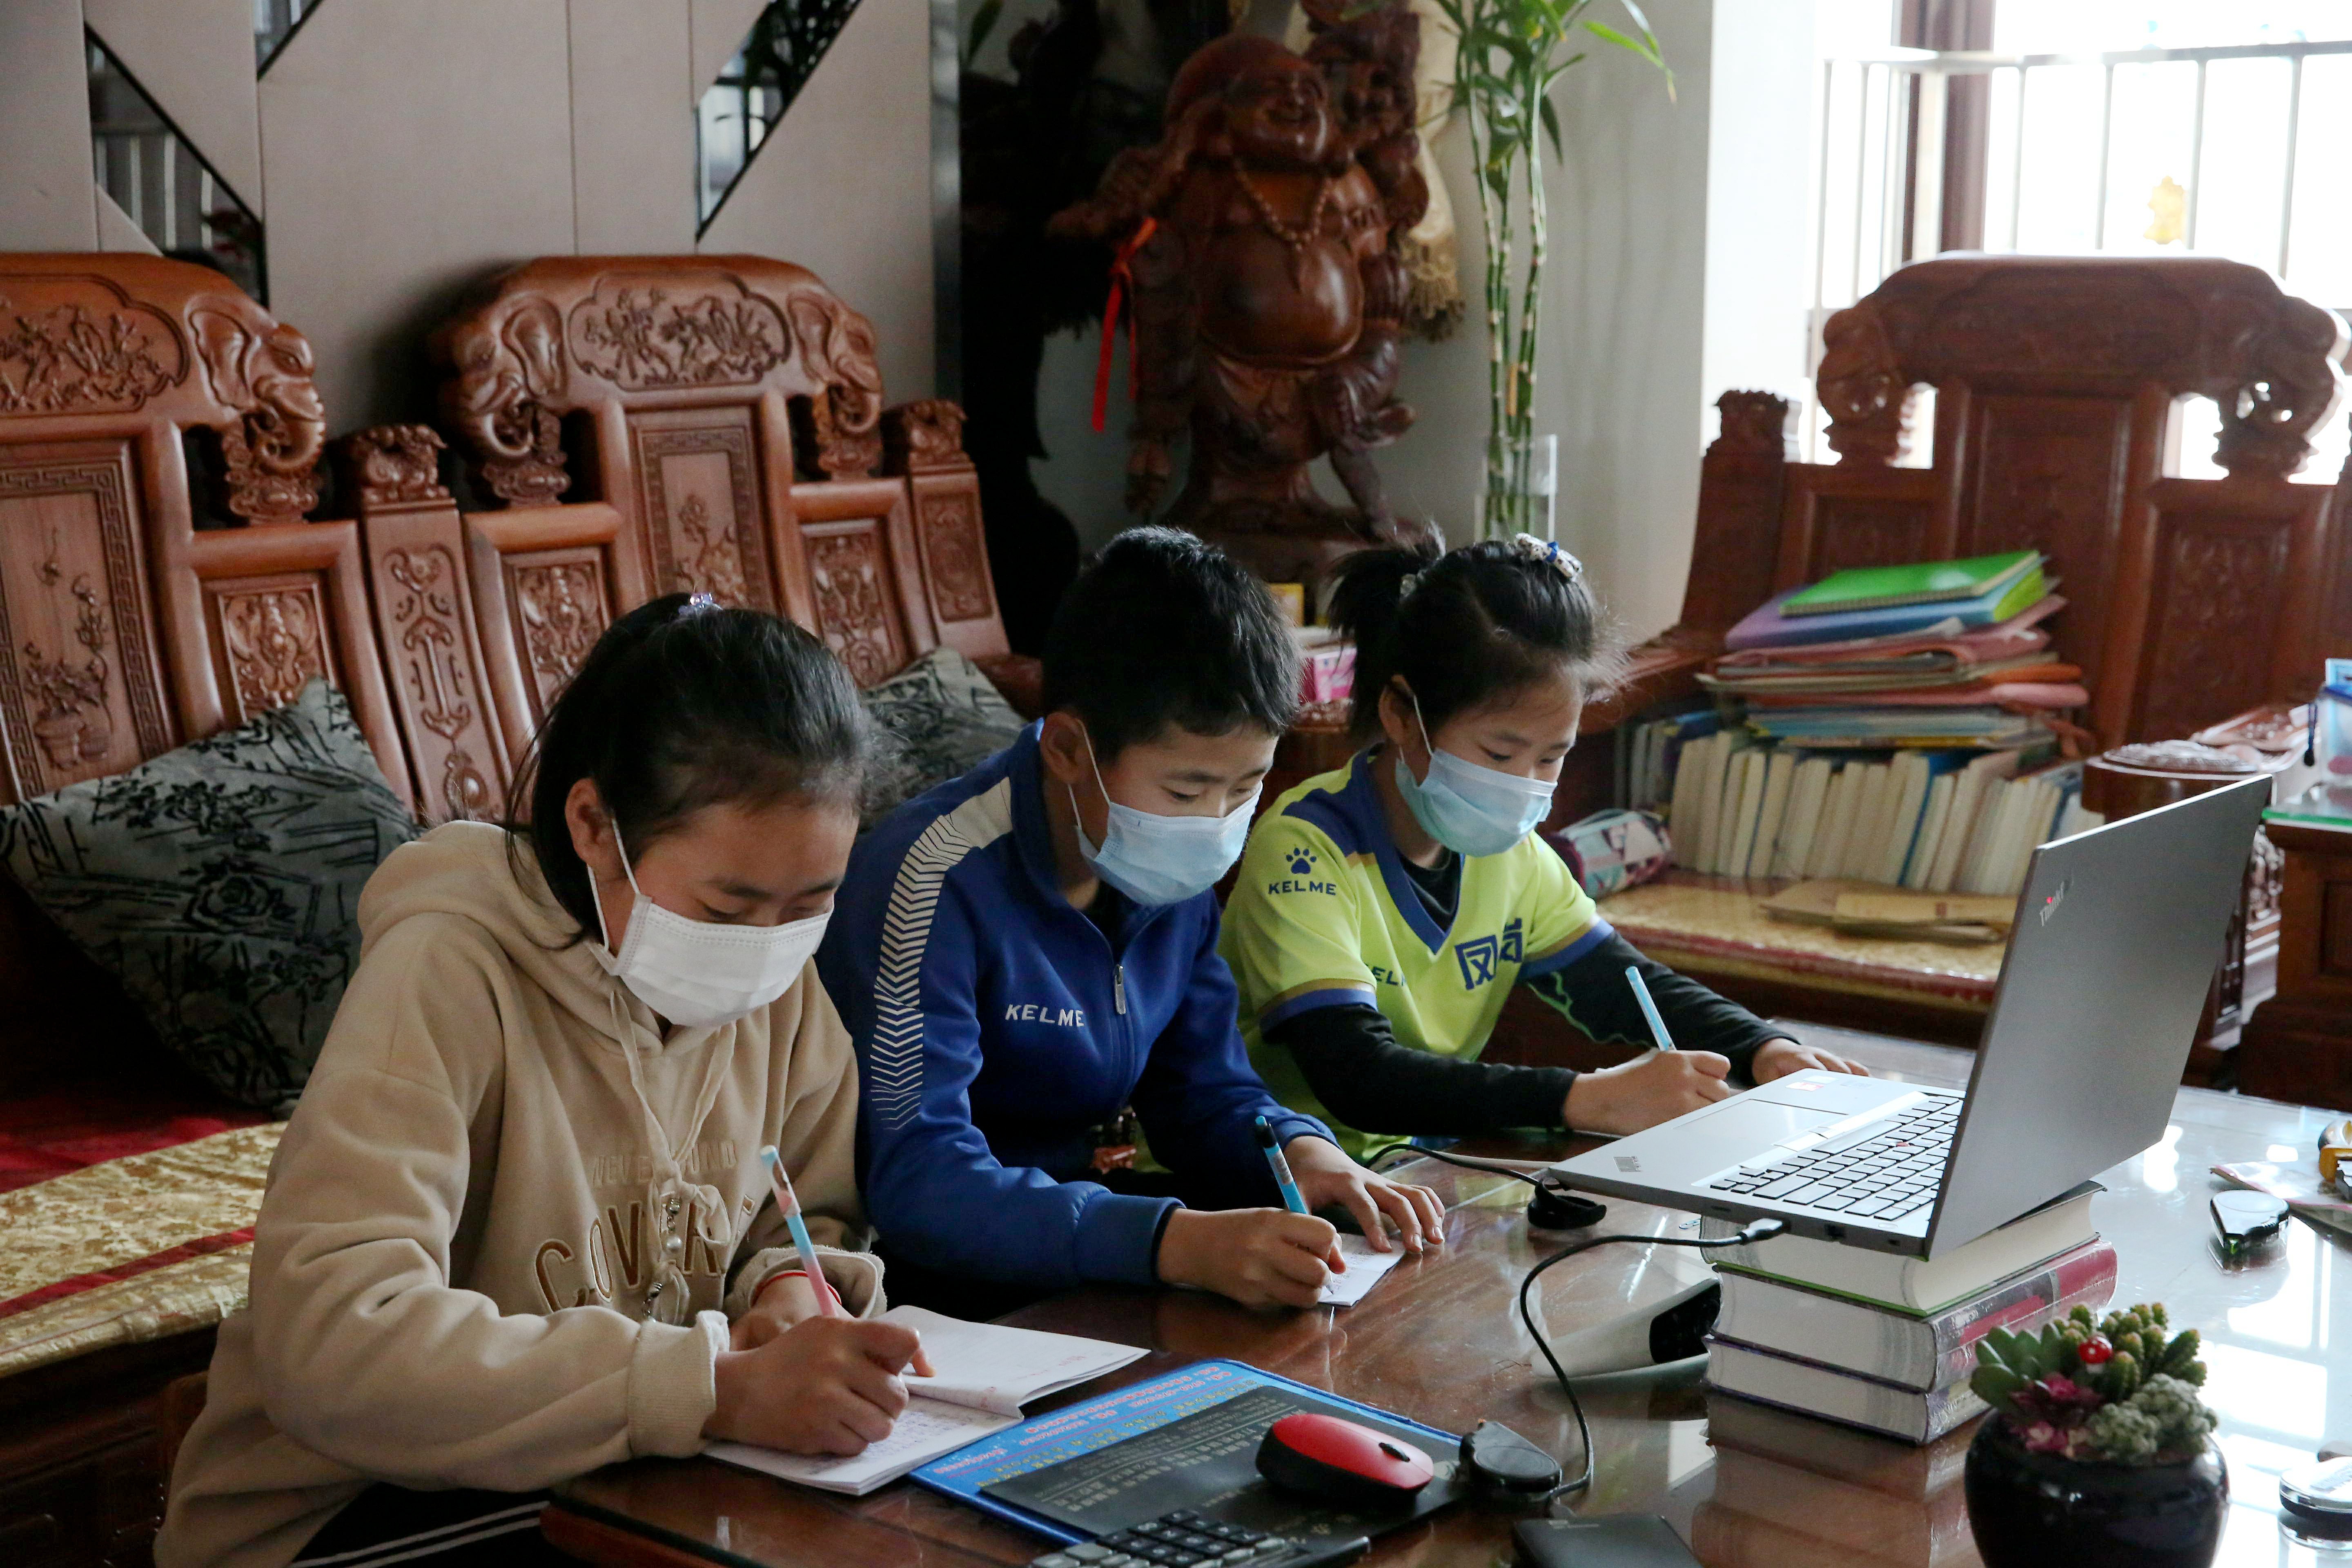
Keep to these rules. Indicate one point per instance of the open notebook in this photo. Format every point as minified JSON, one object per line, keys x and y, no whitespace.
{"x":986,"y":1372}
{"x":1365,"y":1269}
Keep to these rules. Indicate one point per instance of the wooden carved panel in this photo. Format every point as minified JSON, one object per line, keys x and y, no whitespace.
{"x":2107,"y":326}
{"x":81,"y":345}
{"x":955,"y":553}
{"x":558,"y":605}
{"x":1851,"y":531}
{"x":2051,"y":474}
{"x":2212,"y":615}
{"x":849,"y":573}
{"x":424,"y":626}
{"x":651,"y":329}
{"x":699,"y":497}
{"x":270,"y":639}
{"x":80,"y":686}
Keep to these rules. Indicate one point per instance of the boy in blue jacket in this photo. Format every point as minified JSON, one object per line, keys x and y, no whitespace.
{"x":1024,"y":952}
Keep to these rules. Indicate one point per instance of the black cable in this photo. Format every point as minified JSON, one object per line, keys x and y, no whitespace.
{"x":1756,"y":1230}
{"x":1371,"y":1162}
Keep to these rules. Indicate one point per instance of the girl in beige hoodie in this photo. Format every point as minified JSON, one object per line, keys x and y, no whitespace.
{"x":518,"y":1228}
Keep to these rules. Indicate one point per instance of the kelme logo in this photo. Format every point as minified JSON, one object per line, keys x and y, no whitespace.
{"x":1302,"y":861}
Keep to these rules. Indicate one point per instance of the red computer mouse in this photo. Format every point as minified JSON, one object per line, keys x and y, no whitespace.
{"x":1341,"y":1462}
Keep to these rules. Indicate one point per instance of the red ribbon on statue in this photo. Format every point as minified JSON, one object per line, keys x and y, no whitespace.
{"x":1122,"y":284}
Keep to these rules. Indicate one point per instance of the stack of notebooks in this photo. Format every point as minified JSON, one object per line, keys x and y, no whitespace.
{"x":1947,"y":653}
{"x":1941,"y":821}
{"x":1894,"y":732}
{"x":1884,"y":1342}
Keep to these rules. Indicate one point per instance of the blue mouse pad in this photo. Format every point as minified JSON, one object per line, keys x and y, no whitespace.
{"x":1207,"y":1461}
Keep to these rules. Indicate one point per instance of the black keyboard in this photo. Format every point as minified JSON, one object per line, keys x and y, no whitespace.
{"x":1187,"y":1540}
{"x":1884,"y":1171}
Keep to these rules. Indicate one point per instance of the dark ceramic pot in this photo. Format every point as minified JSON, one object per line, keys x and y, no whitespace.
{"x":2030,"y":1510}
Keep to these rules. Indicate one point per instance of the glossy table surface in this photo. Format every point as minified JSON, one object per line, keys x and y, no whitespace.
{"x":1438,"y":1340}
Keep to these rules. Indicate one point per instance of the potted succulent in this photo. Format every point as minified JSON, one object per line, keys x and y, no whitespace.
{"x":2099,"y":1450}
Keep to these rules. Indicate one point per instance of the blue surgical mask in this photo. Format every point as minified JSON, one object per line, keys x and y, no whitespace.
{"x":1471,"y":810}
{"x":1157,"y":859}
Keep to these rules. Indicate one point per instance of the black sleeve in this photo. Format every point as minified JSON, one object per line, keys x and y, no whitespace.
{"x":1366,"y":1080}
{"x":1594,"y":995}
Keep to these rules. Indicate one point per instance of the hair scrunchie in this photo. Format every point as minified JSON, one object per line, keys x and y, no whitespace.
{"x":1550,"y":553}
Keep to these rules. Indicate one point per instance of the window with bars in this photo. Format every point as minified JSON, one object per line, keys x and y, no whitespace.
{"x":757,"y":85}
{"x":2128,"y":127}
{"x":274,"y":22}
{"x":162,"y":184}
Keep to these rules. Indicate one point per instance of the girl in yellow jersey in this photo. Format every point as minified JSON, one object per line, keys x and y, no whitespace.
{"x":1384,"y":911}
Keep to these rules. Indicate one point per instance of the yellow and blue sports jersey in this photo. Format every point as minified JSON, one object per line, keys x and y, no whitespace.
{"x":1324,"y":915}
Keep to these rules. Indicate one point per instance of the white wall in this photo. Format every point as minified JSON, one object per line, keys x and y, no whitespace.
{"x":48,"y":201}
{"x":407,"y":149}
{"x":844,"y":185}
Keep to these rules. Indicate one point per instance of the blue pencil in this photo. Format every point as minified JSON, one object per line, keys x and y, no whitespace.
{"x":1649,"y":1009}
{"x":1290,"y":1198}
{"x":789,"y":1201}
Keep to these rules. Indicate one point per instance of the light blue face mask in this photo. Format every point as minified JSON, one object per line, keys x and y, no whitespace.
{"x":1157,"y":859}
{"x":1470,"y":809}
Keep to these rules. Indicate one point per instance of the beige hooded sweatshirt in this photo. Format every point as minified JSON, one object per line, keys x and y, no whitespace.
{"x":451,"y":1265}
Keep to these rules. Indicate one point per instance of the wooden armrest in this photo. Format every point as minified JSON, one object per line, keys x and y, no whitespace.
{"x":1662,"y":669}
{"x":1020,"y":680}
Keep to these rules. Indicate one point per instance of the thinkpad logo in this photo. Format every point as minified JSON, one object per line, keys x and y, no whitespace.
{"x":1629,"y":1162}
{"x":2050,"y":905}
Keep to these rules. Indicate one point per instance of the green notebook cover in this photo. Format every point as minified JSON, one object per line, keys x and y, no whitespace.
{"x":1920,"y":582}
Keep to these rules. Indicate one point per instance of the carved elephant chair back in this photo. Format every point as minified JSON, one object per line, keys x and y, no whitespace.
{"x":129,"y":624}
{"x":639,"y":425}
{"x":142,"y":606}
{"x":2189,"y":600}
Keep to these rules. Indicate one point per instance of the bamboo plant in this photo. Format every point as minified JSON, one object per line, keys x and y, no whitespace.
{"x":1511,"y":54}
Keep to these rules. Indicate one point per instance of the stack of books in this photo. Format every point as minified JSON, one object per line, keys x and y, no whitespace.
{"x":1946,"y":653}
{"x":1650,"y":751}
{"x":1893,"y":731}
{"x":1941,"y":821}
{"x":1886,"y":1343}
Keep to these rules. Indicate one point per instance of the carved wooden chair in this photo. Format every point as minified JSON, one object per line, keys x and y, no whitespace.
{"x":2189,"y":600}
{"x":159,"y":441}
{"x":643,"y":425}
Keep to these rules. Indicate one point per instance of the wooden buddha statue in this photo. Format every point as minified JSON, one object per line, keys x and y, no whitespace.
{"x":1260,"y":237}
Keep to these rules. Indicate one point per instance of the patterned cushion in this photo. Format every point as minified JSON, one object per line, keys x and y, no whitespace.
{"x":130,"y":1249}
{"x":220,"y":884}
{"x":941,"y":717}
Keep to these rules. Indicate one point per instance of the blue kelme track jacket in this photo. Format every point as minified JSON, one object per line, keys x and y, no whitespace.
{"x":996,"y":1026}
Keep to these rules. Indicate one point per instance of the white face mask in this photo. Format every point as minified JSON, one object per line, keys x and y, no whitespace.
{"x":1157,"y":859}
{"x":697,"y":973}
{"x":1471,"y":809}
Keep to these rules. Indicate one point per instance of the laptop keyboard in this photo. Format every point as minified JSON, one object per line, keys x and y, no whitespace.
{"x":1882,"y":1171}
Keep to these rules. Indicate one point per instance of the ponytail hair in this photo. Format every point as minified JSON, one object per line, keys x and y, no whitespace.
{"x":683,"y":704}
{"x":1468,"y":628}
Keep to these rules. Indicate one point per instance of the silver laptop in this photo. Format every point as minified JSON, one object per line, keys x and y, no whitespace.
{"x":2115,"y":943}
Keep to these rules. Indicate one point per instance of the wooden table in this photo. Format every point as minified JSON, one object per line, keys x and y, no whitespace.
{"x":1437,"y":1341}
